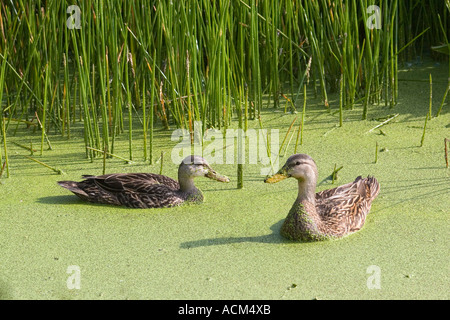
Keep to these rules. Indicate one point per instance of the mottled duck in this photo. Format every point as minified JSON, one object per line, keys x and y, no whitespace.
{"x":328,"y":214}
{"x":146,"y":190}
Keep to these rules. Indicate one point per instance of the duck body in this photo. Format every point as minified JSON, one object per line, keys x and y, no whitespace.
{"x":145,"y":190}
{"x":328,"y":214}
{"x":134,"y":190}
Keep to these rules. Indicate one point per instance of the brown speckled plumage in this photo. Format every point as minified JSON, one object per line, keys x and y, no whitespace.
{"x":145,"y":190}
{"x":327,"y":214}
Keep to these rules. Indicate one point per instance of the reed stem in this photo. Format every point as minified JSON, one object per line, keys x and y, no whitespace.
{"x":446,"y":151}
{"x":58,"y":171}
{"x":376,"y":152}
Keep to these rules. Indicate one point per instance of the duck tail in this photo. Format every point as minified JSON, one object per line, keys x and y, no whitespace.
{"x":367,"y":187}
{"x":374,"y":186}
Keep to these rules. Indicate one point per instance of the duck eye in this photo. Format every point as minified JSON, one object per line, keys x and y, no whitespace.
{"x":297,"y":163}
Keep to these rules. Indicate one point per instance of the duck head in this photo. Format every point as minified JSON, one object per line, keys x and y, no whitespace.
{"x":196,"y":166}
{"x":299,"y":166}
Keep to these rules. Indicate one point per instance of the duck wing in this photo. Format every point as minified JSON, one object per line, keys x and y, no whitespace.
{"x":133,"y":182}
{"x":151,"y":196}
{"x":139,"y":190}
{"x":343,"y":209}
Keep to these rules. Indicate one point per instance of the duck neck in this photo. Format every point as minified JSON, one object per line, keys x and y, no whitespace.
{"x":187,"y":188}
{"x":307,"y":191}
{"x":303,"y":223}
{"x":186,"y":182}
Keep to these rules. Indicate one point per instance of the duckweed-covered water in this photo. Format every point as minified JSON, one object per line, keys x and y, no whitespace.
{"x":229,"y":247}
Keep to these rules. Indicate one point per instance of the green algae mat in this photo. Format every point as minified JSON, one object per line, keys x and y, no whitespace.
{"x":54,"y":246}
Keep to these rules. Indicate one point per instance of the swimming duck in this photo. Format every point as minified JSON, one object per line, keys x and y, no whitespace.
{"x":146,"y":190}
{"x":328,"y":214}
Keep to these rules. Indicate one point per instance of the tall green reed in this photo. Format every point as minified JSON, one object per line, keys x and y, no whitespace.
{"x":195,"y":59}
{"x":2,"y":120}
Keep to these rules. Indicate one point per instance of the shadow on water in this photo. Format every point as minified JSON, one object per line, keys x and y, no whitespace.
{"x":273,"y":237}
{"x":420,"y":188}
{"x":218,"y":189}
{"x":66,"y":199}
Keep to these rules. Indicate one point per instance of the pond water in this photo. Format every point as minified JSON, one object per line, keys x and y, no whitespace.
{"x":229,"y":247}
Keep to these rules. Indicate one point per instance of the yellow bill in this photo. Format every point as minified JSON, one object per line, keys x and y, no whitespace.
{"x":277,"y":177}
{"x":216,"y":176}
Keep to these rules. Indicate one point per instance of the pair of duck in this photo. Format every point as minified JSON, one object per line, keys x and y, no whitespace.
{"x":328,"y":214}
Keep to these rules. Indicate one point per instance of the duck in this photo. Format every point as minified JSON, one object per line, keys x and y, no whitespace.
{"x":146,"y":190}
{"x":328,"y":214}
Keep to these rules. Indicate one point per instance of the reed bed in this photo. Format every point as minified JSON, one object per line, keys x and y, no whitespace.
{"x":126,"y":67}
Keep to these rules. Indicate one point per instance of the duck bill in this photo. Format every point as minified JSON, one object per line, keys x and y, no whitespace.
{"x":277,"y":177}
{"x":216,"y":176}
